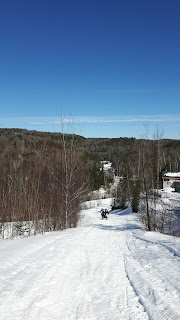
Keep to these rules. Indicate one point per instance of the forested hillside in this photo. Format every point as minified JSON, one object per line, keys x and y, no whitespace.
{"x":43,"y":180}
{"x":45,"y":176}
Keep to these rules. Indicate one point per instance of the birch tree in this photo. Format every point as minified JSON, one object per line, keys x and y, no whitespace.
{"x":73,"y":179}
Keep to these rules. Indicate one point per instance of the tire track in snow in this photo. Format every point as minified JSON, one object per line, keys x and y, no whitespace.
{"x":172,"y":251}
{"x":33,"y":275}
{"x":94,"y":272}
{"x":146,"y":287}
{"x":110,"y":278}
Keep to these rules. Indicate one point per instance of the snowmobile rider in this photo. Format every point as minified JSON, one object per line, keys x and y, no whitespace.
{"x":104,"y":214}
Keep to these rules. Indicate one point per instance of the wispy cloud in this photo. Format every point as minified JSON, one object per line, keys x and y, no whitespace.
{"x":37,"y":122}
{"x":126,"y":119}
{"x":100,"y":126}
{"x":41,"y":121}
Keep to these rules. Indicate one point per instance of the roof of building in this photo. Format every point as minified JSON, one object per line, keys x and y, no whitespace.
{"x":172,"y":174}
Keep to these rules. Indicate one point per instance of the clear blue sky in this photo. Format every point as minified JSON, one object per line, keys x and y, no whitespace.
{"x":114,"y":66}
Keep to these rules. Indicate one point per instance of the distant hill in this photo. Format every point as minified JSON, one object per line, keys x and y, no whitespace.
{"x":45,"y":176}
{"x":105,"y":148}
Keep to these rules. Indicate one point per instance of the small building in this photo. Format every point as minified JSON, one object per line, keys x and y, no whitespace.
{"x":171,"y":180}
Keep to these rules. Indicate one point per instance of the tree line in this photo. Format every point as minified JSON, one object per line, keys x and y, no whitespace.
{"x":44,"y":177}
{"x":43,"y":183}
{"x":140,"y":172}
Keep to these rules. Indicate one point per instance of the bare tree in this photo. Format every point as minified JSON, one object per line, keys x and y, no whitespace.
{"x":158,"y":135}
{"x":74,"y":181}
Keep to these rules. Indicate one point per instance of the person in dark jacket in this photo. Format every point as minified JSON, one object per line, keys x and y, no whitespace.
{"x":103,"y":214}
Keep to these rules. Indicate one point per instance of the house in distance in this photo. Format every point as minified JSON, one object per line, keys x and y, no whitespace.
{"x":171,"y":180}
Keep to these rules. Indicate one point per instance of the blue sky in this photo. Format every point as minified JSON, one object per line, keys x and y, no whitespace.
{"x":112,"y":66}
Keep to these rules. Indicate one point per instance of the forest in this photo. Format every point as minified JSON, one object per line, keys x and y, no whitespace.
{"x":44,"y":177}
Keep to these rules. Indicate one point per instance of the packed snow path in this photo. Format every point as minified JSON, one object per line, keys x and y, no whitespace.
{"x":102,"y":270}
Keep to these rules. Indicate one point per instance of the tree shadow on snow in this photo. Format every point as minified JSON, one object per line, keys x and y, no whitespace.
{"x":119,"y":212}
{"x":129,"y":226}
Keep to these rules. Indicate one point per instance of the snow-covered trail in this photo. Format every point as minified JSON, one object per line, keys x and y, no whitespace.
{"x":104,"y":269}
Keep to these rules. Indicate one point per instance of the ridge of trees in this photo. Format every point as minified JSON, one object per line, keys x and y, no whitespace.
{"x":140,"y":171}
{"x":43,"y":181}
{"x":105,"y":147}
{"x":45,"y":176}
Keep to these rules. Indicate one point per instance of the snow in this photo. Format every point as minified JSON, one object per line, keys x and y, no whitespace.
{"x":106,"y":165}
{"x":172,"y":174}
{"x":102,"y":270}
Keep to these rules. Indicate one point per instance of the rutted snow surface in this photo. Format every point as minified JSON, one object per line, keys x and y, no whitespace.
{"x":102,"y":270}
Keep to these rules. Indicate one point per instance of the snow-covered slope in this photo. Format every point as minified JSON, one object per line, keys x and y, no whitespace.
{"x":104,"y":269}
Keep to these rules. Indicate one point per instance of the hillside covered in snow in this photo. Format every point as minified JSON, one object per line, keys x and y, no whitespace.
{"x":101,"y":270}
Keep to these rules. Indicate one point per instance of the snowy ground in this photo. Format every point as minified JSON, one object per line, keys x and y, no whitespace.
{"x":104,"y":269}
